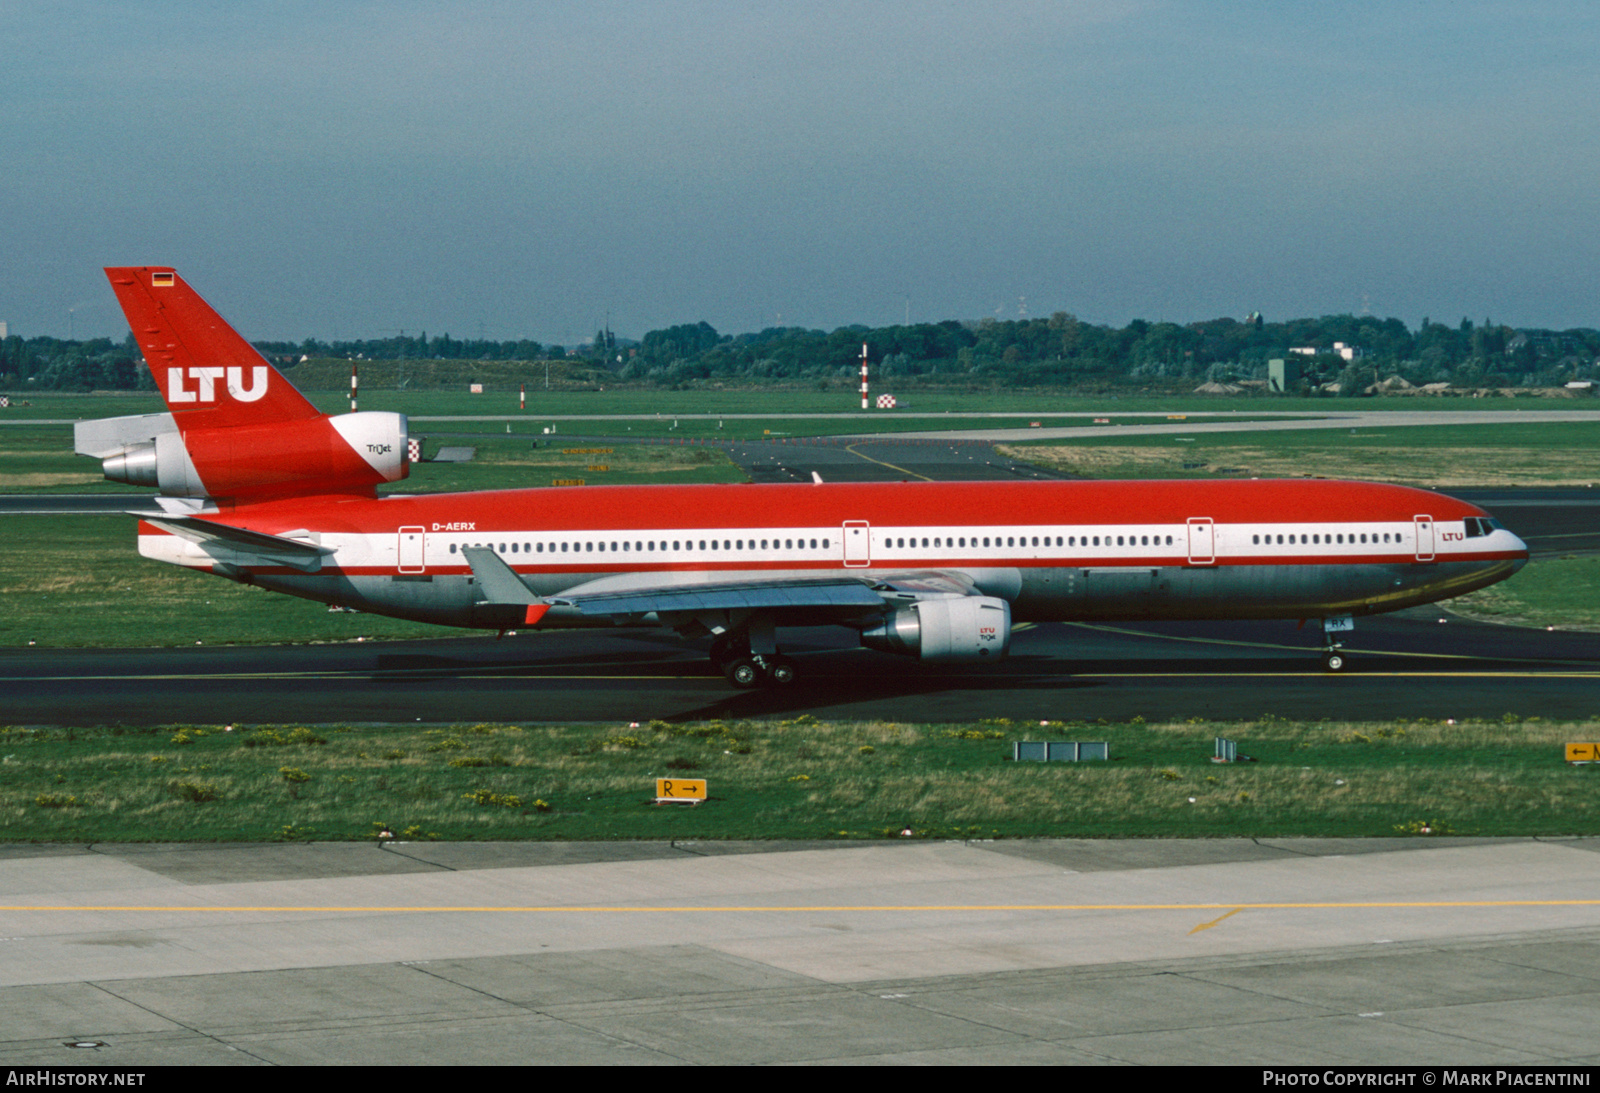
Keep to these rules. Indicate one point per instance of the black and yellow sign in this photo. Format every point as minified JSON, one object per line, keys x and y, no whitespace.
{"x":1583,"y":753}
{"x":599,"y":467}
{"x":566,"y":481}
{"x":681,"y":789}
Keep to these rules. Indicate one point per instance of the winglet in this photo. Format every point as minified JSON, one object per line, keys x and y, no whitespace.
{"x":816,"y":479}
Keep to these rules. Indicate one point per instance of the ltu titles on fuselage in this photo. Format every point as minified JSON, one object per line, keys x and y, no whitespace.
{"x":258,"y":486}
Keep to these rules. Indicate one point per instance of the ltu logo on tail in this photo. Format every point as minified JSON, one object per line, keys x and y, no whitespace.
{"x":206,"y":378}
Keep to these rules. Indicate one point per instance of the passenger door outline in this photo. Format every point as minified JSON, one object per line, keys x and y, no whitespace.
{"x":1202,"y":541}
{"x":857,"y":544}
{"x":1424,"y":528}
{"x":412,"y":549}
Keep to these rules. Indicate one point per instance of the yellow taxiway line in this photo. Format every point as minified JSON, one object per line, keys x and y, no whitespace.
{"x":852,"y":450}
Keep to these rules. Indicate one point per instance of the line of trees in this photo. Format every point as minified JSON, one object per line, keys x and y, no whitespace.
{"x":402,"y":348}
{"x":1059,"y":351}
{"x":56,"y":364}
{"x":1063,"y":350}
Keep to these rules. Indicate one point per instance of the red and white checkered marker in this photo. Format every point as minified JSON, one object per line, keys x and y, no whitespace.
{"x":414,"y":449}
{"x":886,"y":402}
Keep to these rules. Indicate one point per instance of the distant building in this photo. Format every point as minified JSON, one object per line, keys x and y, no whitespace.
{"x":1282,"y":376}
{"x":5,"y":329}
{"x":1348,"y":352}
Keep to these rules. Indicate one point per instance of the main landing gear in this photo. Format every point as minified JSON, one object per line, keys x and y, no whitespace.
{"x":744,"y":669}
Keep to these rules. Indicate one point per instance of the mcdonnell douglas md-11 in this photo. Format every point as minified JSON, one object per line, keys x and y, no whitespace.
{"x":258,"y":486}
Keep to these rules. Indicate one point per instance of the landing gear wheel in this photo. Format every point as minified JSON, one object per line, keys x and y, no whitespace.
{"x":742,"y":673}
{"x":780,"y":671}
{"x":1333,"y":661}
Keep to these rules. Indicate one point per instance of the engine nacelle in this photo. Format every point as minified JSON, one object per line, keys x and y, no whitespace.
{"x":161,"y":462}
{"x":958,"y":628}
{"x":322,"y":454}
{"x":379,"y":438}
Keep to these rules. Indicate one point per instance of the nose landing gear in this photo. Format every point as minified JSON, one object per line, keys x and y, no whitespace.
{"x":1333,"y":659}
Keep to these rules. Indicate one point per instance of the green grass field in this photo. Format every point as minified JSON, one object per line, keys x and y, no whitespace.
{"x":511,"y":462}
{"x":71,"y":581}
{"x":800,"y":779}
{"x":1563,"y":593}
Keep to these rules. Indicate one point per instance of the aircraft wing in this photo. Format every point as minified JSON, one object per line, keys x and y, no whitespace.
{"x":676,"y":598}
{"x":724,"y":595}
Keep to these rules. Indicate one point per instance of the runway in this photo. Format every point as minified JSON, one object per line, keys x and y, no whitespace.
{"x":1349,"y":953}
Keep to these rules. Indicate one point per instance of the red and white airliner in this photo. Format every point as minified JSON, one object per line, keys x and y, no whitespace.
{"x":258,"y":486}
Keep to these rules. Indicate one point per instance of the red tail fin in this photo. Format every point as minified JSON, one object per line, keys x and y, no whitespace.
{"x":247,"y":433}
{"x":210,"y":377}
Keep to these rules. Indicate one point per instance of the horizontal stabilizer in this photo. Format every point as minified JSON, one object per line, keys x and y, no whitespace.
{"x":269,"y":549}
{"x":109,"y":436}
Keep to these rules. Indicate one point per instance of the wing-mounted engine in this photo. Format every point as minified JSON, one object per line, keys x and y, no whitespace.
{"x":945,"y":628}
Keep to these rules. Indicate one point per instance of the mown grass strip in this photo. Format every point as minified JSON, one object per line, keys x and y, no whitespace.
{"x":796,"y":779}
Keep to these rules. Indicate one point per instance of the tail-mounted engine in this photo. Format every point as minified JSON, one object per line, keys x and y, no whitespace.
{"x":958,"y":628}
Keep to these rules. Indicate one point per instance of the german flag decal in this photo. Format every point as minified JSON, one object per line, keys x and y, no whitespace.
{"x":161,"y":280}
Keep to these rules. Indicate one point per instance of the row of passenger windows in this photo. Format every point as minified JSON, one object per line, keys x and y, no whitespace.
{"x":896,"y":543}
{"x":650,"y":545}
{"x":1316,"y":538}
{"x":900,"y":543}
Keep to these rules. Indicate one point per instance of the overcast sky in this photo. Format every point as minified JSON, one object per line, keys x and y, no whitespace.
{"x":344,"y":170}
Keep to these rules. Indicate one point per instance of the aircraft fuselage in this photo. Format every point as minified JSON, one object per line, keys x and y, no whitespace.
{"x":1054,"y":550}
